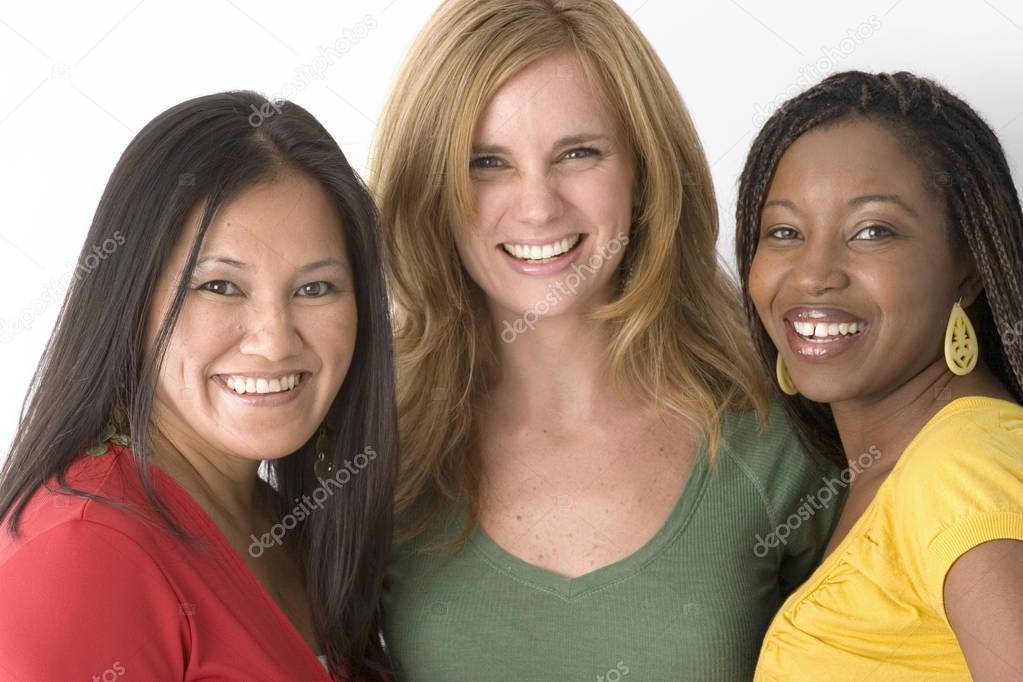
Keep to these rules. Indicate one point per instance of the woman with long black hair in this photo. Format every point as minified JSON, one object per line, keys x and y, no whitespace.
{"x":238,"y":317}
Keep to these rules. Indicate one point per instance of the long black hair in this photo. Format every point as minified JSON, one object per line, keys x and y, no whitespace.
{"x":963,"y":164}
{"x":208,"y":150}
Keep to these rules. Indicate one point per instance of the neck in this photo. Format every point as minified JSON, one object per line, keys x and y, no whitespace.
{"x":887,"y":422}
{"x":557,"y":371}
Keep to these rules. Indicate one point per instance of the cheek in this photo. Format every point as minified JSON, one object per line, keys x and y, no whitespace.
{"x":333,"y":336}
{"x":605,"y":199}
{"x":761,"y":285}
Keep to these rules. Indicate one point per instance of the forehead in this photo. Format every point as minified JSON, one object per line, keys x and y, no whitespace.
{"x":547,"y":99}
{"x":849,"y":156}
{"x":285,"y":219}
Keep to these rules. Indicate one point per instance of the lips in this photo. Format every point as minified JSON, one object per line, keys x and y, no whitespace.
{"x":543,"y":267}
{"x":819,"y":333}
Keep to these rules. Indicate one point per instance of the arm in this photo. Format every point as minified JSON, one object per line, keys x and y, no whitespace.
{"x":84,"y":601}
{"x":983,"y":596}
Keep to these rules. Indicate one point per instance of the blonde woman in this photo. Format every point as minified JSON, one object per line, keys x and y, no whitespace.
{"x":591,"y":459}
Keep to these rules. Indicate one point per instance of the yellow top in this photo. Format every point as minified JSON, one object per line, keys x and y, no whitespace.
{"x":874,"y":609}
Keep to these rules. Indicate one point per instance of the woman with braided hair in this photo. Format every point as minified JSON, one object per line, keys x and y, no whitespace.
{"x":880,"y":248}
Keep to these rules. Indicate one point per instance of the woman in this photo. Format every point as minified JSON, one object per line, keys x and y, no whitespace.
{"x":238,"y":317}
{"x":580,"y":418}
{"x":880,"y":244}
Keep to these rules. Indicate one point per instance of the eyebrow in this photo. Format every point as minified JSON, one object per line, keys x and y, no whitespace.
{"x":855,"y":201}
{"x":315,"y":265}
{"x":567,"y":141}
{"x":883,"y":198}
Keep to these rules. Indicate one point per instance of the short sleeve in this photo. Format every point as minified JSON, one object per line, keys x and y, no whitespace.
{"x":966,"y":490}
{"x":809,"y":514}
{"x":802,"y":494}
{"x":81,"y":601}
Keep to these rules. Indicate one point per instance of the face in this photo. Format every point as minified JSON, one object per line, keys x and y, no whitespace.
{"x":552,"y":185}
{"x":267,"y":329}
{"x":854,"y":276}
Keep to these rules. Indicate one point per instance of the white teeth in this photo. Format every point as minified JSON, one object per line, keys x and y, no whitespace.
{"x":529,"y":252}
{"x":823,"y":330}
{"x":243,"y":385}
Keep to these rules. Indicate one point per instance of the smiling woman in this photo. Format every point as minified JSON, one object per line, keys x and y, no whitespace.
{"x":242,"y":322}
{"x":880,"y":243}
{"x":589,"y":454}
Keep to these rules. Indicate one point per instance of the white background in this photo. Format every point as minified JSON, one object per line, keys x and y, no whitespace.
{"x":78,"y":80}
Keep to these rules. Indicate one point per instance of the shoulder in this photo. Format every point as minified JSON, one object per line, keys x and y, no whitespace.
{"x":110,"y":477}
{"x":111,"y":598}
{"x":960,"y":484}
{"x":972,"y":450}
{"x":772,"y":458}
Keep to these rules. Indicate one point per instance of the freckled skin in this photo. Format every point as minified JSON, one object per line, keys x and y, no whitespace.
{"x":538,"y":189}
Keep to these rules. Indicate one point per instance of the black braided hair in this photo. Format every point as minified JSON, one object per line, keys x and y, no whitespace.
{"x":962,"y":159}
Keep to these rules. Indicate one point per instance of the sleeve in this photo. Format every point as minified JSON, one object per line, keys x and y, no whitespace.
{"x":968,"y":492}
{"x":808,"y":514}
{"x":802,"y":495}
{"x":84,"y":601}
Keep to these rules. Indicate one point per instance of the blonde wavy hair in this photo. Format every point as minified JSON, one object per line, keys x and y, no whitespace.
{"x":679,"y":336}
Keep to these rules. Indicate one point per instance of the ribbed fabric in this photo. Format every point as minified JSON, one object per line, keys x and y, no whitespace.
{"x":875,"y":607}
{"x":691,"y":604}
{"x":89,"y":591}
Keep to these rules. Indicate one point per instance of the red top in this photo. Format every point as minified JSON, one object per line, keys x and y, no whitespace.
{"x":90,"y":592}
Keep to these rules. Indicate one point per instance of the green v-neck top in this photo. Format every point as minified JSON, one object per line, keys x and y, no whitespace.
{"x":693,"y":603}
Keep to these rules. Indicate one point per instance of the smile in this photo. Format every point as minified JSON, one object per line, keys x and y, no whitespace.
{"x":822,"y":333}
{"x":827,"y":331}
{"x":243,"y":384}
{"x":264,"y":390}
{"x":542,"y":253}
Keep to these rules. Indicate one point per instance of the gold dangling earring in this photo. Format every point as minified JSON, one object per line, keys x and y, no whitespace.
{"x":784,"y":380}
{"x":323,"y":468}
{"x":961,"y":347}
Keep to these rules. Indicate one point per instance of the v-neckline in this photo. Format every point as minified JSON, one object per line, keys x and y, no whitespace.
{"x":570,"y":588}
{"x":227,"y":551}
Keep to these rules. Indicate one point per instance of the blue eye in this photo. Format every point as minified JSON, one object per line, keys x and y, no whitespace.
{"x":321,"y":289}
{"x":884,"y":232}
{"x":485,"y":163}
{"x":218,"y":286}
{"x":580,"y":153}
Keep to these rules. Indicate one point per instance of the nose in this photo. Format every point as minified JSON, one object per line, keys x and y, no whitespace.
{"x":539,"y":202}
{"x":819,"y":267}
{"x":271,"y":333}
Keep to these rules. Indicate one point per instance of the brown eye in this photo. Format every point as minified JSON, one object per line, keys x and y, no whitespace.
{"x":876,"y":232}
{"x":317,"y":289}
{"x":783,"y":233}
{"x":219,"y":286}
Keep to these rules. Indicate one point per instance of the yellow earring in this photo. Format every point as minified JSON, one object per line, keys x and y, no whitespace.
{"x":784,"y":380}
{"x":961,"y":347}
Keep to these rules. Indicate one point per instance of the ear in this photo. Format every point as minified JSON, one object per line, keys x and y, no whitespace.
{"x":970,"y":281}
